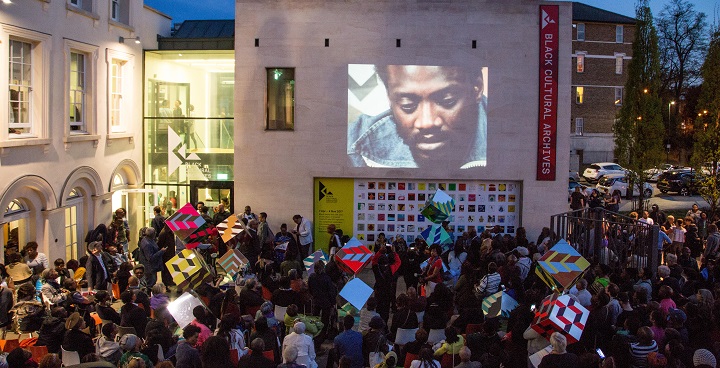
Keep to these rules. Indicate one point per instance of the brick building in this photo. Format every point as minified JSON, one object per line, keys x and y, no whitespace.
{"x":601,"y":52}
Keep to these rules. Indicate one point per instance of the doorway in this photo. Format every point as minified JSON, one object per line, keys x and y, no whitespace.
{"x":212,"y":192}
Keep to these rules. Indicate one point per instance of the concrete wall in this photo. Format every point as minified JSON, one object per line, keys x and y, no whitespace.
{"x":41,"y":171}
{"x":275,"y":169}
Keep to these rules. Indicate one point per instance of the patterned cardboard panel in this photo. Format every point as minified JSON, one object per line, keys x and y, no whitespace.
{"x":356,"y":292}
{"x":438,"y":208}
{"x":182,"y":307}
{"x":435,"y":234}
{"x":188,"y":268}
{"x":308,"y":262}
{"x":562,"y":266}
{"x":353,"y":256}
{"x":498,"y":304}
{"x":560,"y":313}
{"x":185,"y":221}
{"x":232,"y":262}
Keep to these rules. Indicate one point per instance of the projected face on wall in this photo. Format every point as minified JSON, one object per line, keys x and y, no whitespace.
{"x":413,"y":116}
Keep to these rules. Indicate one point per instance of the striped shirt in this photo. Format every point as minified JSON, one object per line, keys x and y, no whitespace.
{"x":490,"y":284}
{"x":639,"y":354}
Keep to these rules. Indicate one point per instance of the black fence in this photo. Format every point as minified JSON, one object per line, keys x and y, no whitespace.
{"x":607,"y":237}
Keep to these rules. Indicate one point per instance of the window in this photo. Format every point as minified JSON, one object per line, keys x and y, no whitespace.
{"x":618,"y":64}
{"x":579,"y":95}
{"x":120,"y":11}
{"x":71,"y":233}
{"x":77,"y":92}
{"x":581,"y":31}
{"x":116,"y":94}
{"x":580,"y":63}
{"x":579,"y":125}
{"x":618,"y":96}
{"x":86,"y":5}
{"x":80,"y":89}
{"x":24,"y":114}
{"x":280,"y":99}
{"x":619,"y":34}
{"x":120,"y":66}
{"x":20,"y":84}
{"x":115,"y":10}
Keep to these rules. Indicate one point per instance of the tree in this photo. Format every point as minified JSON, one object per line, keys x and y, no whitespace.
{"x":707,"y":127}
{"x":683,"y":40}
{"x":638,"y":130}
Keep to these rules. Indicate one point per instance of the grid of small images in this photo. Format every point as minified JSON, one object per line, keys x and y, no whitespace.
{"x":393,"y":207}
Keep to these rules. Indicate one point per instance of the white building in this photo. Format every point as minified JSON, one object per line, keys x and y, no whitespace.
{"x":71,"y":130}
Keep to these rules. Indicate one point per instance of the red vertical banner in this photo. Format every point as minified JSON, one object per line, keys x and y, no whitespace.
{"x":547,"y":104}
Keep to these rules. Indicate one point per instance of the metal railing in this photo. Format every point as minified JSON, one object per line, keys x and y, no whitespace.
{"x":602,"y":236}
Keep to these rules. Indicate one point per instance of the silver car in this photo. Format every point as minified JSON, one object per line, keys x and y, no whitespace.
{"x":619,"y":182}
{"x":596,"y":171}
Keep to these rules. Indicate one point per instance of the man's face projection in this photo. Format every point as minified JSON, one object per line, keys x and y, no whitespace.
{"x":433,"y":108}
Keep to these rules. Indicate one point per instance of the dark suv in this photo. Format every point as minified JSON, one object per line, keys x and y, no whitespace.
{"x":683,"y":182}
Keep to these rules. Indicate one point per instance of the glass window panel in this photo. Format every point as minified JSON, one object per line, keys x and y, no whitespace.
{"x":280,"y":109}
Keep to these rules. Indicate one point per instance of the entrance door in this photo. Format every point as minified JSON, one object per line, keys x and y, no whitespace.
{"x":212,"y":192}
{"x":139,"y":204}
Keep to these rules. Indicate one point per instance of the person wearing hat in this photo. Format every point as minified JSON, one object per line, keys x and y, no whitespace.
{"x":35,"y":260}
{"x":374,"y":340}
{"x":131,"y":345}
{"x":18,"y":270}
{"x":704,"y":358}
{"x":75,"y":338}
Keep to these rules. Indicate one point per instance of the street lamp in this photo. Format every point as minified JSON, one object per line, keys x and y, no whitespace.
{"x":667,"y":152}
{"x":669,"y":104}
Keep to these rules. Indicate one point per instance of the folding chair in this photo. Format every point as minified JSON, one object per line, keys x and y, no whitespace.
{"x":38,"y":352}
{"x":405,"y":335}
{"x":409,"y":359}
{"x":122,"y":331}
{"x":9,"y":345}
{"x":436,"y":335}
{"x":70,"y":357}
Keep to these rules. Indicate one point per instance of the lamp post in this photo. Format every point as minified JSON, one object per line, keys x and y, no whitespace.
{"x":670,"y":104}
{"x":667,"y":152}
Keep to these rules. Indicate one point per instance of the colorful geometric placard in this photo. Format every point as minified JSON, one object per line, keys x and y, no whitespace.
{"x":560,"y":313}
{"x":356,"y":292}
{"x":319,"y":255}
{"x":188,"y":268}
{"x":498,"y":304}
{"x":562,"y":266}
{"x":353,"y":256}
{"x":229,"y":230}
{"x":438,"y":207}
{"x":199,"y":237}
{"x":435,"y":234}
{"x":232,"y":262}
{"x":185,"y":221}
{"x":182,"y":309}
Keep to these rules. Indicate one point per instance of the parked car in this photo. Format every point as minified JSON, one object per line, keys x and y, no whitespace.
{"x":574,"y":176}
{"x":619,"y":182}
{"x":596,"y":171}
{"x":655,"y":172}
{"x":684,"y":182}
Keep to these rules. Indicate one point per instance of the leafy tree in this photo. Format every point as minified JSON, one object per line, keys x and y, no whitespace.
{"x":707,"y":127}
{"x":638,"y":130}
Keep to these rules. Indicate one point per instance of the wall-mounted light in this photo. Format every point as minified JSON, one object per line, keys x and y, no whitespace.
{"x":123,"y":39}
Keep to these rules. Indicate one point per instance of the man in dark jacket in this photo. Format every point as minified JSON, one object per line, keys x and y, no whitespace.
{"x":256,"y":358}
{"x":152,"y":257}
{"x":323,"y":291}
{"x":51,"y":330}
{"x":158,"y":222}
{"x":98,"y":269}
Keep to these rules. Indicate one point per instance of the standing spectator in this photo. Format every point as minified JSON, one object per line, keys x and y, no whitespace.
{"x":152,"y":256}
{"x":657,"y":215}
{"x":335,"y":241}
{"x":559,"y":357}
{"x":645,"y":345}
{"x":186,"y":355}
{"x":98,"y":269}
{"x":118,"y":234}
{"x":383,"y":284}
{"x":304,"y":233}
{"x":248,"y":214}
{"x":694,"y":213}
{"x":678,"y":237}
{"x":712,"y":246}
{"x":221,"y":214}
{"x":349,"y":343}
{"x":577,"y":199}
{"x":166,"y":240}
{"x":266,"y":238}
{"x":35,"y":260}
{"x":158,"y":222}
{"x":579,"y":291}
{"x":323,"y":292}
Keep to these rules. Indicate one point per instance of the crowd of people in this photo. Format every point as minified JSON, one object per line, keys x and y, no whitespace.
{"x":425,"y":311}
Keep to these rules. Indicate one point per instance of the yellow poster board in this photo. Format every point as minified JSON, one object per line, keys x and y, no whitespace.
{"x":333,"y":204}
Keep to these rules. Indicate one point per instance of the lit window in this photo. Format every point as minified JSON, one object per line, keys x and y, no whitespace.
{"x":619,"y":34}
{"x":579,"y":95}
{"x":581,"y":31}
{"x":116,"y":94}
{"x":25,"y":112}
{"x":618,"y":96}
{"x":579,"y":125}
{"x":618,"y":64}
{"x":77,"y":92}
{"x":71,"y":233}
{"x":580,"y":63}
{"x":21,"y":87}
{"x":280,"y":99}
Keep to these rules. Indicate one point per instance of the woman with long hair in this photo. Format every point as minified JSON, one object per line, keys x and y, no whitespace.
{"x":216,"y":353}
{"x":226,"y":329}
{"x":425,"y":360}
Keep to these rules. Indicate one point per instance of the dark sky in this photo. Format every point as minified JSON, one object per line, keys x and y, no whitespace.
{"x":181,"y":10}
